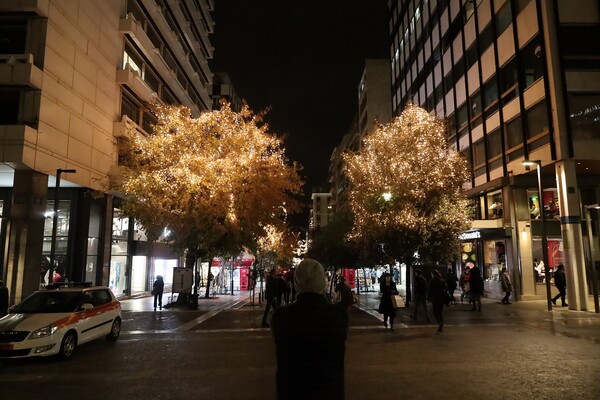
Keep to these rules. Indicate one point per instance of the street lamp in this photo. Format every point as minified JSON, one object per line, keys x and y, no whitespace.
{"x":538,"y":165}
{"x":55,"y":221}
{"x":592,"y":265}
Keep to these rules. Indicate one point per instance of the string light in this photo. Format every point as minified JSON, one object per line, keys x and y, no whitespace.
{"x":406,"y":180}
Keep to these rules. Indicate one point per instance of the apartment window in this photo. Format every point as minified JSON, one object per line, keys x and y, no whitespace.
{"x":533,"y":61}
{"x":494,"y":144}
{"x":13,"y":36}
{"x":584,"y":112}
{"x":462,"y":115}
{"x":486,"y":38}
{"x":9,"y":106}
{"x":149,"y":121}
{"x":475,"y":103}
{"x":479,"y":153}
{"x":503,"y":18}
{"x":490,"y":97}
{"x":468,"y":9}
{"x":133,"y":60}
{"x":580,"y":41}
{"x":472,"y":56}
{"x":508,"y":81}
{"x":520,"y":5}
{"x":537,"y":120}
{"x":130,"y":108}
{"x":514,"y":133}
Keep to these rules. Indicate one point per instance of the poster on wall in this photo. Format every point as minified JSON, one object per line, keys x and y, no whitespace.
{"x":555,"y":253}
{"x":183,"y":279}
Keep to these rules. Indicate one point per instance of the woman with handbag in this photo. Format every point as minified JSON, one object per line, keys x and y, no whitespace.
{"x":388,"y":289}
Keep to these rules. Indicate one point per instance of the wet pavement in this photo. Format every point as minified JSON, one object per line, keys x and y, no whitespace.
{"x":518,"y":351}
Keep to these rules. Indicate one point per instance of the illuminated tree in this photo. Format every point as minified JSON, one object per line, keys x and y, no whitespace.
{"x":214,"y":181}
{"x":406,"y":189}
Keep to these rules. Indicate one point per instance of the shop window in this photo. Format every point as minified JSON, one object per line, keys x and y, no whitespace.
{"x":537,"y":120}
{"x":61,"y":240}
{"x":495,"y":206}
{"x":514,"y":133}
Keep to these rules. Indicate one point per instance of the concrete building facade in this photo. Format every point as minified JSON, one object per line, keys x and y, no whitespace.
{"x":514,"y":80}
{"x":75,"y":79}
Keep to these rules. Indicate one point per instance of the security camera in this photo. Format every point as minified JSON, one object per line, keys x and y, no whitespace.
{"x":538,"y":51}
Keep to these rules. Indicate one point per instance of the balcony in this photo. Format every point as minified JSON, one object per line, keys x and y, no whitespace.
{"x":18,"y":70}
{"x":39,"y":7}
{"x":132,"y":79}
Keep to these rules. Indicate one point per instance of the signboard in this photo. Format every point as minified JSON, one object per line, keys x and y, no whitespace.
{"x":183,"y":279}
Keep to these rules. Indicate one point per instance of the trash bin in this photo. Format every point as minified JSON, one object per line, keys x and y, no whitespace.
{"x":193,"y":302}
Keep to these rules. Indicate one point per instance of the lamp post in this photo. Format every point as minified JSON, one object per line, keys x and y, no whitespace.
{"x":592,"y":265}
{"x":55,"y":222}
{"x":538,"y":165}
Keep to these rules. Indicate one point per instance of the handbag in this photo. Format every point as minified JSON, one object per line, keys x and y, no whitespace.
{"x":398,"y":301}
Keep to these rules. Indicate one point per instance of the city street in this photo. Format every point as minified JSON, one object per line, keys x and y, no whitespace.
{"x":219,"y":352}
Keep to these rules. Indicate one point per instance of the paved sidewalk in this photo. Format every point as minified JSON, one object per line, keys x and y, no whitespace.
{"x":146,"y":302}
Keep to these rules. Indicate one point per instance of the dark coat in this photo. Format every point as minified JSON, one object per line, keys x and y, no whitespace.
{"x":560,"y":279}
{"x":420,"y":286}
{"x":451,"y":279}
{"x":386,"y":307}
{"x":271,"y":288}
{"x":345,"y":292}
{"x":310,"y":337}
{"x":3,"y":301}
{"x":437,"y":291}
{"x":476,"y":282}
{"x":158,"y":287}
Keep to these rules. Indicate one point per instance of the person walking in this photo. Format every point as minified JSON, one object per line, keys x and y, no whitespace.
{"x":451,"y":280}
{"x":560,"y":281}
{"x":464,"y":284}
{"x":506,"y":285}
{"x":3,"y":299}
{"x":437,"y":296}
{"x":387,"y":287}
{"x":270,"y":296}
{"x":419,"y":295}
{"x":344,"y":293}
{"x":310,"y":336}
{"x":476,"y":288}
{"x":157,"y":291}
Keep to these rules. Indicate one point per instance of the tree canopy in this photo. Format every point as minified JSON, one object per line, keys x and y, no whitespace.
{"x":214,"y":181}
{"x":406,"y":188}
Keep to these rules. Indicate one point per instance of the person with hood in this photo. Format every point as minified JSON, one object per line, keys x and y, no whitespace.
{"x":310,"y":336}
{"x":476,"y":288}
{"x":157,"y":291}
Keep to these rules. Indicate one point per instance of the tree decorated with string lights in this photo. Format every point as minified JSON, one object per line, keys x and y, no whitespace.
{"x":406,"y":189}
{"x":215,"y":182}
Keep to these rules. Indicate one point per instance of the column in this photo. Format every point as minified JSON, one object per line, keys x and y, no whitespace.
{"x":25,"y":233}
{"x":570,"y":221}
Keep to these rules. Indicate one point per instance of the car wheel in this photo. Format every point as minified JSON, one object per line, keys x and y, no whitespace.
{"x":115,"y":330}
{"x":67,"y":346}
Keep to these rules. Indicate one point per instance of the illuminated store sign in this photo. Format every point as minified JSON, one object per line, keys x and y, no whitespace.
{"x":470,"y":235}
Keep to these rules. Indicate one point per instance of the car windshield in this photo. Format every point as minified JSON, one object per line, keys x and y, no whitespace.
{"x":49,"y":302}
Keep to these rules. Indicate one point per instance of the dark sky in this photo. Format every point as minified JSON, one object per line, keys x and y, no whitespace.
{"x":303,"y":59}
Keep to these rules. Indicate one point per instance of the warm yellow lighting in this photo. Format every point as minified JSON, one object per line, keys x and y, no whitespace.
{"x":531,"y":163}
{"x":387,"y":196}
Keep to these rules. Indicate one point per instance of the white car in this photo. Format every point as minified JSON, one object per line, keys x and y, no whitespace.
{"x":54,"y":321}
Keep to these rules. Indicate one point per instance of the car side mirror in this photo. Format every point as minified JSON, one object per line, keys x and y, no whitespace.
{"x":87,"y":306}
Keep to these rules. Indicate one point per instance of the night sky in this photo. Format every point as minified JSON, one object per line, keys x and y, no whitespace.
{"x":303,"y":59}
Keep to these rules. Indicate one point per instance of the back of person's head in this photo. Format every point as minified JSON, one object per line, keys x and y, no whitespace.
{"x":560,"y":267}
{"x":310,"y":277}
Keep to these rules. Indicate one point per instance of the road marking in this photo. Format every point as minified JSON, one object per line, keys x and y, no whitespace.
{"x":376,"y":314}
{"x":189,"y":325}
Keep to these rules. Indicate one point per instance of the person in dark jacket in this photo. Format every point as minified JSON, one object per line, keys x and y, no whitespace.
{"x":560,"y":281}
{"x":270,"y":296}
{"x":310,"y":337}
{"x":157,"y":291}
{"x":476,"y":288}
{"x":387,"y":287}
{"x":419,"y":295}
{"x":451,"y":280}
{"x":3,"y":299}
{"x":344,"y":292}
{"x":437,"y":296}
{"x":506,"y":285}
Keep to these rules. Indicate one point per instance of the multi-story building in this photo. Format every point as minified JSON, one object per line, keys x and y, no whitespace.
{"x":515,"y":80}
{"x":75,"y":79}
{"x":223,"y":90}
{"x":374,"y":106}
{"x":320,"y":211}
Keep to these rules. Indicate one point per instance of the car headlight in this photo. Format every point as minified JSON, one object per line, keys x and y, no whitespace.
{"x":43,"y":332}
